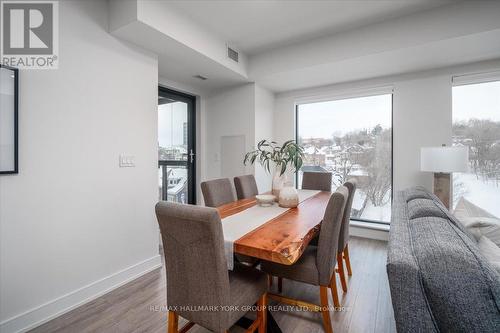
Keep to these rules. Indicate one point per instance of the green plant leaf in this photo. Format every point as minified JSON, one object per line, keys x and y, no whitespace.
{"x":290,"y":154}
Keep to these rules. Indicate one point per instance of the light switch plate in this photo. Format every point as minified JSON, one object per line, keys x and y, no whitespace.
{"x":126,"y":161}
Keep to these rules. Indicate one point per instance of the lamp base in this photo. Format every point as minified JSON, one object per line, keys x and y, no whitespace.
{"x":442,"y":188}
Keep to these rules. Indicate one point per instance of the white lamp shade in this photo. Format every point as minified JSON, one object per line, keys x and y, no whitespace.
{"x":444,"y":159}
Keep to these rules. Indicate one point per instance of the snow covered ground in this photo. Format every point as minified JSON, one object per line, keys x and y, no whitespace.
{"x":485,"y":194}
{"x":371,"y":212}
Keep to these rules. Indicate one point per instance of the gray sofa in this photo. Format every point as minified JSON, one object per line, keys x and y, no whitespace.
{"x":439,"y":281}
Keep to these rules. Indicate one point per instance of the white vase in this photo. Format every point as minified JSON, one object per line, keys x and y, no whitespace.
{"x":289,"y":197}
{"x":280,"y":181}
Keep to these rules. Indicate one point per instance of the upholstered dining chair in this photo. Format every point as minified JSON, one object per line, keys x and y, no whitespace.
{"x":316,"y":266}
{"x":217,"y":192}
{"x":343,"y":249}
{"x":321,"y":181}
{"x":199,"y":286}
{"x":246,"y":186}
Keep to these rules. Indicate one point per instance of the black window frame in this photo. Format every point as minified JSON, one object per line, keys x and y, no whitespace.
{"x":190,"y":100}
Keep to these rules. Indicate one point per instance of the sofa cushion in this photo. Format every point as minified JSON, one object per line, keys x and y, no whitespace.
{"x":451,"y":217}
{"x":490,"y":251}
{"x":416,"y":193}
{"x":462,"y":288}
{"x":421,"y":207}
{"x":465,"y":208}
{"x":411,"y":310}
{"x":477,"y":221}
{"x":483,"y":226}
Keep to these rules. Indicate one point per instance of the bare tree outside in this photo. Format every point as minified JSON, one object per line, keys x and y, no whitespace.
{"x":476,"y":125}
{"x":353,"y":152}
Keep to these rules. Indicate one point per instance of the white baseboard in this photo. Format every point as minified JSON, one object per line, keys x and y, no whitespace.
{"x":50,"y":310}
{"x":369,"y":230}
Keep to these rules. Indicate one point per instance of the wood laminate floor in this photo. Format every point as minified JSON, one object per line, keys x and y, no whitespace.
{"x":138,"y":306}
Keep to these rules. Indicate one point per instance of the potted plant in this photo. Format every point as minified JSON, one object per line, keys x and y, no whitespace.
{"x":285,"y":160}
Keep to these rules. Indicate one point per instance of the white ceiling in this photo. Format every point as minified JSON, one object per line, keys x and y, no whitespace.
{"x":257,"y":26}
{"x":299,"y":44}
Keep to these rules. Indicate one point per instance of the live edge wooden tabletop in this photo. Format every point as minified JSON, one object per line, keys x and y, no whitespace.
{"x":284,"y":238}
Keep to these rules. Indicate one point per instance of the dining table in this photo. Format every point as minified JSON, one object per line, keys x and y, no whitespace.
{"x":280,"y":237}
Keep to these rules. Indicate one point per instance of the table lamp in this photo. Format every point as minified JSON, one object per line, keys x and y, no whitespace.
{"x":443,"y":161}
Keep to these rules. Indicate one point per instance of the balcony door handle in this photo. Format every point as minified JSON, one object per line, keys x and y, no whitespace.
{"x":191,"y":156}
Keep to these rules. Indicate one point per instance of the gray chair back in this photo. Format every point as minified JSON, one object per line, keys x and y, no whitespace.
{"x":246,"y":186}
{"x":351,"y":185}
{"x":217,"y":192}
{"x":195,"y":263}
{"x":321,"y":181}
{"x":329,"y":234}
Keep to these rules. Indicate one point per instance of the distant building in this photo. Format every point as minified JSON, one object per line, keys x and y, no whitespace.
{"x":313,"y":156}
{"x":172,"y":153}
{"x":177,"y":185}
{"x":318,"y":142}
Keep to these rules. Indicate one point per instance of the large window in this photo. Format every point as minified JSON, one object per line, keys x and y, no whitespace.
{"x":352,"y":138}
{"x":476,"y":124}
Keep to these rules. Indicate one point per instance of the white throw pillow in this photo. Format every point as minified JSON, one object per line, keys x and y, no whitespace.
{"x":490,"y":251}
{"x":483,"y":226}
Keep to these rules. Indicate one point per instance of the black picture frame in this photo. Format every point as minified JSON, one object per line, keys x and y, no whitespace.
{"x":15,"y":124}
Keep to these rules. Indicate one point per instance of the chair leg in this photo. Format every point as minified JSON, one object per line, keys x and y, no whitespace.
{"x":280,"y":284}
{"x":186,"y":327}
{"x":173,"y":322}
{"x":262,"y":313}
{"x":333,"y":289}
{"x":340,"y":264}
{"x":347,"y":260}
{"x":325,"y":309}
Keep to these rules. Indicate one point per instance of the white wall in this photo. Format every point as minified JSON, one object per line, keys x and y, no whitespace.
{"x":422,"y":114}
{"x":229,"y":113}
{"x":264,"y":111}
{"x":422,"y":117}
{"x":459,"y":33}
{"x":72,"y":223}
{"x":167,"y":19}
{"x":244,"y":110}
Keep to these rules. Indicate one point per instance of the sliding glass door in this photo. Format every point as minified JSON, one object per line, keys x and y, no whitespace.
{"x":351,"y":138}
{"x":176,"y":146}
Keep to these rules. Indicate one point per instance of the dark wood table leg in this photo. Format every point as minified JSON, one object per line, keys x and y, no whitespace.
{"x":272,"y":325}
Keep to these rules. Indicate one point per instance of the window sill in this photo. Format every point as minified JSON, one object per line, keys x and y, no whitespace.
{"x":373,"y":226}
{"x":369,"y":230}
